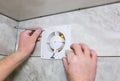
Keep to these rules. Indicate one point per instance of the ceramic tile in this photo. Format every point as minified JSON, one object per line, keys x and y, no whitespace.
{"x":98,"y":27}
{"x":7,"y":35}
{"x":52,"y":70}
{"x":108,"y":69}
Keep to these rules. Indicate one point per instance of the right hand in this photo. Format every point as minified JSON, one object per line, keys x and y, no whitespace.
{"x":81,"y":63}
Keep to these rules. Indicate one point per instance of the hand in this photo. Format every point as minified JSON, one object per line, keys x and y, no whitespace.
{"x":81,"y":63}
{"x":27,"y":41}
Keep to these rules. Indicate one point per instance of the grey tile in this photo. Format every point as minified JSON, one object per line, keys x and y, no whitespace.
{"x":36,"y":69}
{"x":7,"y":35}
{"x":98,"y":27}
{"x":108,"y":69}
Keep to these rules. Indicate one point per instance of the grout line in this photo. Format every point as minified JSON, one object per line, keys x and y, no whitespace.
{"x":98,"y":56}
{"x":8,"y":55}
{"x":9,"y":17}
{"x":108,"y":56}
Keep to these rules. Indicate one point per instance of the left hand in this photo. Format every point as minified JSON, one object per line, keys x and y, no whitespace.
{"x":27,"y":41}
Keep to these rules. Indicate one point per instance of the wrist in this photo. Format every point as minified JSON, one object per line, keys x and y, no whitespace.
{"x":22,"y":55}
{"x":78,"y":79}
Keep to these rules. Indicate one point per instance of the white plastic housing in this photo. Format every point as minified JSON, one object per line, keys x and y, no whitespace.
{"x":55,"y":40}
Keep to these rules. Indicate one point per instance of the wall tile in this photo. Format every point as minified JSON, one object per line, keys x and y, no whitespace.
{"x":36,"y":69}
{"x":98,"y":27}
{"x":7,"y":35}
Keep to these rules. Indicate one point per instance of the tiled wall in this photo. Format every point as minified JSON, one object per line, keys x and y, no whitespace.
{"x":98,"y":27}
{"x":7,"y":35}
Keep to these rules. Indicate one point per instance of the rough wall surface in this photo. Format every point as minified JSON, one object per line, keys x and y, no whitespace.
{"x":98,"y":27}
{"x":7,"y":35}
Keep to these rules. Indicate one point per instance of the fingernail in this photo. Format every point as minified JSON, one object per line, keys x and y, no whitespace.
{"x":81,"y":43}
{"x":39,"y":30}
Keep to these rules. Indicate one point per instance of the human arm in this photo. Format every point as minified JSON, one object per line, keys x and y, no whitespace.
{"x":26,"y":46}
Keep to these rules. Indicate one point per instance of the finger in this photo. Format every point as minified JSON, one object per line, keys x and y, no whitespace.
{"x":65,"y":62}
{"x":26,"y":32}
{"x":40,"y":35}
{"x":37,"y":27}
{"x":36,"y":34}
{"x":94,"y":55}
{"x":77,"y":49}
{"x":85,"y":49}
{"x":69,"y":55}
{"x":39,"y":39}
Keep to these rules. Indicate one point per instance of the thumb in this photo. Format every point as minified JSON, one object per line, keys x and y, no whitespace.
{"x":26,"y":32}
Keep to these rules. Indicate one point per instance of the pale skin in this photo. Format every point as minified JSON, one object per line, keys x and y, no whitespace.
{"x":26,"y":45}
{"x":80,"y":64}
